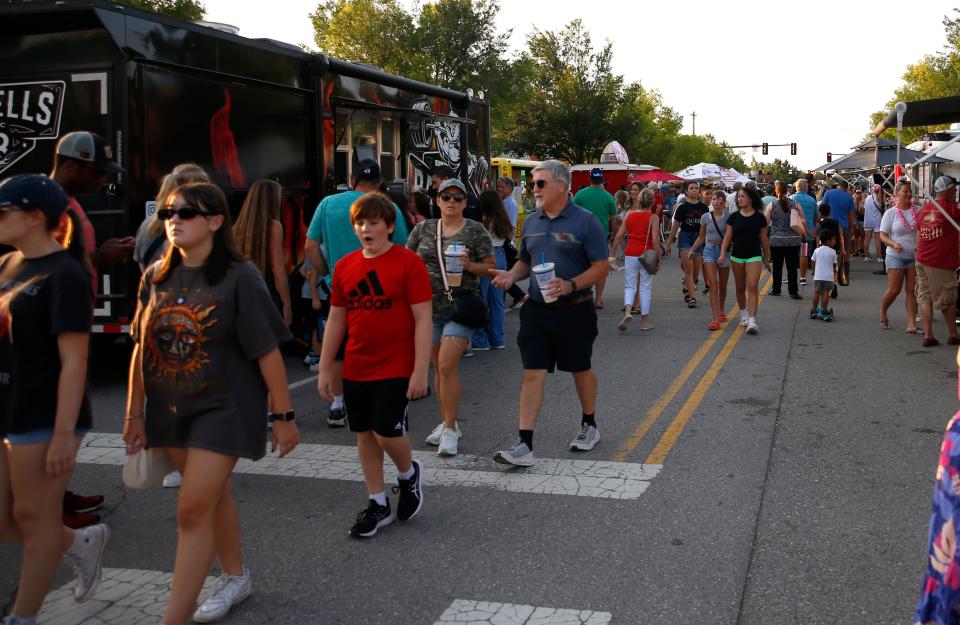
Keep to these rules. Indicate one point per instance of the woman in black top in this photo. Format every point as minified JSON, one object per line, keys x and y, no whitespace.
{"x":204,"y":369}
{"x":46,"y":306}
{"x":749,"y":247}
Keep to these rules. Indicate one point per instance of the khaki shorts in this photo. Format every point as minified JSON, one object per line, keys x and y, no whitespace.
{"x":937,"y":286}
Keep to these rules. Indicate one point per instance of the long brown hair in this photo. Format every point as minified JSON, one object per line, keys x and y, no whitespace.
{"x":210,"y":198}
{"x":781,"y":190}
{"x":495,"y":216}
{"x":255,"y":222}
{"x":68,"y":230}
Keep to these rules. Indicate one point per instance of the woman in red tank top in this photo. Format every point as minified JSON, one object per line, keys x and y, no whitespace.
{"x":639,"y":228}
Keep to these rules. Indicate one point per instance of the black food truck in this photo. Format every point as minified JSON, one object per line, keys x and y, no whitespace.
{"x":164,"y":91}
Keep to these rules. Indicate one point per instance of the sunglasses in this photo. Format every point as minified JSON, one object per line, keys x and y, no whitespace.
{"x":186,"y":213}
{"x":448,"y":197}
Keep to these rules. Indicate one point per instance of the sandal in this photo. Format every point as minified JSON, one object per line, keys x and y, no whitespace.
{"x":930,"y":342}
{"x":686,"y":299}
{"x":884,"y":324}
{"x":714,"y":325}
{"x":722,"y":318}
{"x":912,"y":330}
{"x":635,"y":310}
{"x":692,"y":303}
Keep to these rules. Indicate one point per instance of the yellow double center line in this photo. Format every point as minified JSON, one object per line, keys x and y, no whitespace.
{"x":675,"y":429}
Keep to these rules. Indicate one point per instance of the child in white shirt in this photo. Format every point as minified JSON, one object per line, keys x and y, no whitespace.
{"x":824,"y":276}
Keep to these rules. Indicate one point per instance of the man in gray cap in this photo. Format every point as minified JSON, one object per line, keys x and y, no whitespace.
{"x":938,"y":250}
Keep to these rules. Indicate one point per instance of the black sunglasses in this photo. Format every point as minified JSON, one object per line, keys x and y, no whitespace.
{"x":447,"y":197}
{"x":185,"y":213}
{"x":540,"y":183}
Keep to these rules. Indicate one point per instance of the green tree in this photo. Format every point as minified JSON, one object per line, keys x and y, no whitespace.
{"x":376,"y":32}
{"x":782,"y":170}
{"x":934,"y":76}
{"x":190,"y":10}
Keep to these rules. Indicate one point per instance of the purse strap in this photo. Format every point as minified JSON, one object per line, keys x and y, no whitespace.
{"x":648,"y":244}
{"x":443,"y":269}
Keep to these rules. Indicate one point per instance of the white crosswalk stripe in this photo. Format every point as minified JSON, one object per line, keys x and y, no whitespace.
{"x":579,"y":478}
{"x":464,"y":612}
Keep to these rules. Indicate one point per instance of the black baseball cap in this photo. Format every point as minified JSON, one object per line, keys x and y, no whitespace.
{"x":34,"y":192}
{"x":367,"y":171}
{"x":596,"y":175}
{"x":89,"y":147}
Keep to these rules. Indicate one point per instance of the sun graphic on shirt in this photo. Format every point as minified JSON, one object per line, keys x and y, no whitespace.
{"x":175,"y":338}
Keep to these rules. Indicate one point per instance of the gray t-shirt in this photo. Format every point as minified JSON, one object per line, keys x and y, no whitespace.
{"x":713,"y":234}
{"x":572,"y":241}
{"x":203,"y":384}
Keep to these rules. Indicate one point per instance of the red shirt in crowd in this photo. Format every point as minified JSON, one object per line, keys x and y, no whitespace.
{"x":378,"y":293}
{"x":938,"y":242}
{"x":638,"y":237}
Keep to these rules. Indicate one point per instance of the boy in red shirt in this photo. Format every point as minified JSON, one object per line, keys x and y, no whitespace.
{"x":938,"y":255}
{"x":381,"y":297}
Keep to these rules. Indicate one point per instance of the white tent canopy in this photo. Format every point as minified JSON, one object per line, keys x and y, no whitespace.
{"x":709,"y":171}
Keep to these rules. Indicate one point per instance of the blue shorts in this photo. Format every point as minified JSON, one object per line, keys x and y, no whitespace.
{"x":685,"y":241}
{"x":899,"y":263}
{"x":33,"y":437}
{"x":445,"y":327}
{"x":711,"y":252}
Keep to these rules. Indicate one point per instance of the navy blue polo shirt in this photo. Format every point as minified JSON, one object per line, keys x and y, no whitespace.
{"x":572,"y":241}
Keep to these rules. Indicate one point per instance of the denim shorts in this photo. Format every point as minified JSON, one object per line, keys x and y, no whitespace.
{"x":685,"y":241}
{"x":711,"y":253}
{"x":445,"y":327}
{"x":43,"y":435}
{"x":899,"y":263}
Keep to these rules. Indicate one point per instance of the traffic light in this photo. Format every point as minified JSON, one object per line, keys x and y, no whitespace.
{"x":766,"y":149}
{"x":829,"y":157}
{"x":793,"y":149}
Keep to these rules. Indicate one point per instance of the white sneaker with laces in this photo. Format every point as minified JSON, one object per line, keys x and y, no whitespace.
{"x":433,"y":438}
{"x":752,"y":327}
{"x":172,"y":480}
{"x":743,"y":322}
{"x":228,"y":592}
{"x":449,"y":440}
{"x":86,"y":558}
{"x":587,"y":439}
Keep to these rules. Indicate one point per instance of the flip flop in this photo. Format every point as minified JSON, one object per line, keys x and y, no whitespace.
{"x":634,"y":311}
{"x":647,"y":328}
{"x":930,"y":342}
{"x":911,"y":330}
{"x":714,"y":325}
{"x":884,"y":324}
{"x":723,"y":318}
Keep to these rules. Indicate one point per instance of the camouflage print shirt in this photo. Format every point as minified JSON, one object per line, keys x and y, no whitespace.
{"x":423,"y":241}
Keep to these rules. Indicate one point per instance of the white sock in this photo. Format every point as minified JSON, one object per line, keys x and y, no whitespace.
{"x":406,"y":475}
{"x":752,"y":320}
{"x":380,"y":498}
{"x":337,"y":402}
{"x":743,"y":314}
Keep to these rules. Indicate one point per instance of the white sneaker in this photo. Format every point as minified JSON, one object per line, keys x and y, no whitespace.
{"x":519,"y":456}
{"x":434,"y":437}
{"x":86,"y":558}
{"x":752,"y":327}
{"x":449,"y":440}
{"x":173,"y":480}
{"x":587,"y":439}
{"x":743,"y":322}
{"x":625,"y":322}
{"x":228,"y":592}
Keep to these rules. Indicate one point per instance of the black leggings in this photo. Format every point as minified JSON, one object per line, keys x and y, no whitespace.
{"x":791,"y":254}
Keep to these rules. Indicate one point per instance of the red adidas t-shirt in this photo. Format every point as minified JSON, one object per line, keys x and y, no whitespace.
{"x":378,"y":293}
{"x":938,"y":243}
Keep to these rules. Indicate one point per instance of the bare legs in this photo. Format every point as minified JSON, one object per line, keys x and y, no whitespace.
{"x":370,"y":447}
{"x":531,"y":394}
{"x":446,"y":363}
{"x":895,"y":282}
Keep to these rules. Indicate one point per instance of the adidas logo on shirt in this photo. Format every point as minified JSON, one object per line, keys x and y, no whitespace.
{"x":368,"y":295}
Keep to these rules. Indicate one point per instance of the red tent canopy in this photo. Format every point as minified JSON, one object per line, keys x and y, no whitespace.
{"x":655,"y":175}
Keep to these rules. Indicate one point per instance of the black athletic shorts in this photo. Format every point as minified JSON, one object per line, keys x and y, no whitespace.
{"x":559,"y":338}
{"x":379,"y":405}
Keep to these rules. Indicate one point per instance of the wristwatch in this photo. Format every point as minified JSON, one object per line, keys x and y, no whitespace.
{"x":573,"y":285}
{"x":281,"y":416}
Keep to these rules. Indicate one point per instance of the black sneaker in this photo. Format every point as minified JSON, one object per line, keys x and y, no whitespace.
{"x":337,"y":417}
{"x":370,"y":520}
{"x":411,"y":493}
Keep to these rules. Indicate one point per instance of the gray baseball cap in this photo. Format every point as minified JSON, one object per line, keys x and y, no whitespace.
{"x":90,"y":148}
{"x":451,"y":182}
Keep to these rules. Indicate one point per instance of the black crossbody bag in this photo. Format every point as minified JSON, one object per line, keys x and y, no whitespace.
{"x":469,"y":309}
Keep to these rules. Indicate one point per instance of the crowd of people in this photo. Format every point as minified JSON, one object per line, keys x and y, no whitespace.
{"x":394,"y":282}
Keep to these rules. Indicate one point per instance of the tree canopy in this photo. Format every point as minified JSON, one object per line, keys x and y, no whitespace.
{"x":934,"y":76}
{"x":191,"y":10}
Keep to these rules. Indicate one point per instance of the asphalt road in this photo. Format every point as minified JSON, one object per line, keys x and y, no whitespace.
{"x":781,"y":478}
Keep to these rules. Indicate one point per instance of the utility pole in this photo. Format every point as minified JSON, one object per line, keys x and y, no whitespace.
{"x":693,"y":116}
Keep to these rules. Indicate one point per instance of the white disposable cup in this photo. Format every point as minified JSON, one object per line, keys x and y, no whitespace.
{"x":453,"y":264}
{"x":544,"y":274}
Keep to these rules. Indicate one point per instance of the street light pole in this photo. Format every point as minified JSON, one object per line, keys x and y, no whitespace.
{"x":693,"y":116}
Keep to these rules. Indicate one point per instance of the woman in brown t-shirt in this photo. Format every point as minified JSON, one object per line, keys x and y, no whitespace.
{"x":201,"y":373}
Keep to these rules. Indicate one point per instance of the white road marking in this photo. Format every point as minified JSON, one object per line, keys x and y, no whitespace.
{"x":300,"y":383}
{"x":579,"y":478}
{"x":464,"y":612}
{"x":125,"y":596}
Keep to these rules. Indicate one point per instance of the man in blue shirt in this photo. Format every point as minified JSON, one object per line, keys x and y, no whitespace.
{"x":844,"y":211}
{"x":560,"y":333}
{"x":331,"y":228}
{"x":808,"y":205}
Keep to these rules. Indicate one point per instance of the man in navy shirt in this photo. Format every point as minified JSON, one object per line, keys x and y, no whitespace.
{"x":558,"y":334}
{"x":844,"y":211}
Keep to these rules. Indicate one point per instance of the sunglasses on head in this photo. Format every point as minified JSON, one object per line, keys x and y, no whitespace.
{"x":452,"y":197}
{"x":184,"y":213}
